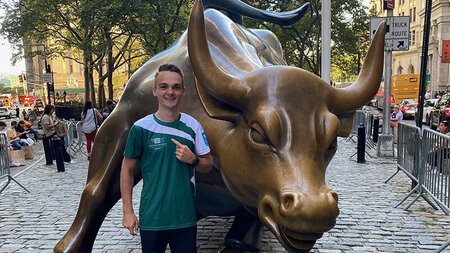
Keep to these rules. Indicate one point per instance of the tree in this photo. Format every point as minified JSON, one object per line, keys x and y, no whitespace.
{"x":302,"y":41}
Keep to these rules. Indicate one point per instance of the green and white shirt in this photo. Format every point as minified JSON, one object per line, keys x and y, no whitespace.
{"x":167,"y":197}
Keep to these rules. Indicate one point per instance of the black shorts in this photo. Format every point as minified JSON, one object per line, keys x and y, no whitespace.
{"x":182,"y":240}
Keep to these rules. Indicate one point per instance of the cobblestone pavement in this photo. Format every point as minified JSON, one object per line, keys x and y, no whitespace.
{"x":34,"y":222}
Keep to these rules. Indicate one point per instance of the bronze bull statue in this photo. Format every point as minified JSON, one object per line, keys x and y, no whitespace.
{"x":272,"y":130}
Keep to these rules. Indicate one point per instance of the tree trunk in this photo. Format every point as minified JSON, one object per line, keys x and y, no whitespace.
{"x":91,"y":82}
{"x":101,"y":87}
{"x":87,"y":87}
{"x":110,"y":68}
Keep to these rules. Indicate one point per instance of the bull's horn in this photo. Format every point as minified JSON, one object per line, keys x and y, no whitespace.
{"x":366,"y":86}
{"x":241,"y":8}
{"x":219,"y":84}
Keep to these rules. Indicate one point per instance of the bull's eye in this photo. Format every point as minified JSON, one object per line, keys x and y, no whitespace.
{"x":257,"y":135}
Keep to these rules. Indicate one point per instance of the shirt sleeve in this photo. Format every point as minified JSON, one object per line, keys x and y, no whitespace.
{"x":201,"y":143}
{"x":133,"y":148}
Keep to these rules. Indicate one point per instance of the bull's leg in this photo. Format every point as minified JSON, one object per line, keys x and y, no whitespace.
{"x":245,"y":233}
{"x":99,"y":196}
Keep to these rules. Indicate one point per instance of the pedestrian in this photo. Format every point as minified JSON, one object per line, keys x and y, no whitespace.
{"x":24,"y":113}
{"x":9,"y":147}
{"x":17,"y":112}
{"x":20,"y":129}
{"x":396,"y":117}
{"x":29,"y":127}
{"x":107,"y":110}
{"x":168,"y":146}
{"x":14,"y":137}
{"x":90,"y":118}
{"x":48,"y":124}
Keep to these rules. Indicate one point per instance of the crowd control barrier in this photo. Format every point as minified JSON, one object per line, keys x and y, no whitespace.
{"x":75,"y":140}
{"x":365,"y":118}
{"x":424,"y":156}
{"x":4,"y":164}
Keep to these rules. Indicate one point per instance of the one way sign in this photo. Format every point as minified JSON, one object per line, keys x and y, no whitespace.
{"x":397,"y":32}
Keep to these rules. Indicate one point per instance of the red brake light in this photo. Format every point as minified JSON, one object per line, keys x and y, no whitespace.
{"x":406,"y":108}
{"x":447,"y":111}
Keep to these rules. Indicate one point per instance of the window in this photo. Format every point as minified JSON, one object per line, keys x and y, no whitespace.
{"x":414,"y":15}
{"x":413,"y":37}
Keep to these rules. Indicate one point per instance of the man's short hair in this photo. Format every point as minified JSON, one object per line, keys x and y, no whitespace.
{"x":171,"y":68}
{"x":396,"y":106}
{"x":2,"y":124}
{"x":109,"y":102}
{"x":13,"y":123}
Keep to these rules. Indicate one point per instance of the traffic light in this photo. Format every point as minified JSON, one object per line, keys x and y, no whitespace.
{"x":21,"y":78}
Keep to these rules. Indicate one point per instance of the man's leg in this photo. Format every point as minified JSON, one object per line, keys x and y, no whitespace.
{"x":154,"y":241}
{"x":16,"y":145}
{"x":183,"y":240}
{"x":47,"y":151}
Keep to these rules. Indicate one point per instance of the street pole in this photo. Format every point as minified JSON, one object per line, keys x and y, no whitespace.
{"x":47,"y":67}
{"x":386,"y":140}
{"x":423,"y":64}
{"x":359,"y":54}
{"x":326,"y":41}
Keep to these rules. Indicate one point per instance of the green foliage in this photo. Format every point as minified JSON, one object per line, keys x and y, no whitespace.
{"x":302,"y":41}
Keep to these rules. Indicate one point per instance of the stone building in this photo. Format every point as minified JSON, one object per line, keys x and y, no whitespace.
{"x":408,"y":62}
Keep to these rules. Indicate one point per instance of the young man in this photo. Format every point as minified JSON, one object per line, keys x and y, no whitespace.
{"x":168,"y":145}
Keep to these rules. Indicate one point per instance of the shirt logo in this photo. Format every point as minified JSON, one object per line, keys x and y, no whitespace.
{"x":157,"y":140}
{"x":204,"y":139}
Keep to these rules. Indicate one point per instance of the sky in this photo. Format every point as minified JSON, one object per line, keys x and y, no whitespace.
{"x":5,"y":57}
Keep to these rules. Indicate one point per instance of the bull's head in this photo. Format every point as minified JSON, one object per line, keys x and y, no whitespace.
{"x":284,"y":123}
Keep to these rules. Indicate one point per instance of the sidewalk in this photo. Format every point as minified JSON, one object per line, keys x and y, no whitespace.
{"x":34,"y":222}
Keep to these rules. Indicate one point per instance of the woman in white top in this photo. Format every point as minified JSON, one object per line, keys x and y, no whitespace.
{"x":90,"y":116}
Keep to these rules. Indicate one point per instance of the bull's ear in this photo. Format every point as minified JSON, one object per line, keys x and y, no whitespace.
{"x":214,"y":107}
{"x":346,"y":123}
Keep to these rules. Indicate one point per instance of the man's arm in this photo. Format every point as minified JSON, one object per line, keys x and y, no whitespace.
{"x":129,"y":220}
{"x":184,"y":154}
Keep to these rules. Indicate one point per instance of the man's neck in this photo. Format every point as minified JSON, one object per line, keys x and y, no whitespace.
{"x":167,"y":115}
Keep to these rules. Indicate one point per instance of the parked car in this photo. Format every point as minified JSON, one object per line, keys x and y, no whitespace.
{"x":7,"y":112}
{"x":441,"y":111}
{"x":428,"y":106}
{"x":408,"y":108}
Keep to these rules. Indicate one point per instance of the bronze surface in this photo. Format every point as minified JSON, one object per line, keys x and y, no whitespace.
{"x":272,"y":130}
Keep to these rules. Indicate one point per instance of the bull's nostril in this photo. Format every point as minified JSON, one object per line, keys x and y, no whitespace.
{"x":287,"y":201}
{"x":334,"y":195}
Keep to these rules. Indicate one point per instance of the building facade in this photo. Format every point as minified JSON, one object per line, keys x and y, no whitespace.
{"x":408,"y":62}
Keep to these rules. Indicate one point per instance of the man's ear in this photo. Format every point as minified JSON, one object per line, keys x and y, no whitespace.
{"x":214,"y":107}
{"x":346,"y":124}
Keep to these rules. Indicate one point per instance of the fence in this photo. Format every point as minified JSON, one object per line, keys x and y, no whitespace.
{"x":366,"y":118}
{"x":424,"y":157}
{"x":4,"y":164}
{"x":75,"y":140}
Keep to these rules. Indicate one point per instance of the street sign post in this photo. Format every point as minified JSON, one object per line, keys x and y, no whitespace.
{"x":397,"y":32}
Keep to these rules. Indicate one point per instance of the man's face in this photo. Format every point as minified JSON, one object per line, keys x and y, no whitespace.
{"x":2,"y":128}
{"x":168,"y":89}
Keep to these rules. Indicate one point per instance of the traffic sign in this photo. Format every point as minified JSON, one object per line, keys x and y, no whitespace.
{"x":397,"y":32}
{"x":46,"y":77}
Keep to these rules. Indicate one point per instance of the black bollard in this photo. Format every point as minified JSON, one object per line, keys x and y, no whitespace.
{"x":361,"y":143}
{"x":57,"y":147}
{"x":376,"y":126}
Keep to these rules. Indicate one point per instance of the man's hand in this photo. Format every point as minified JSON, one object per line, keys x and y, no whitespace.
{"x":183,"y":153}
{"x":130,"y":222}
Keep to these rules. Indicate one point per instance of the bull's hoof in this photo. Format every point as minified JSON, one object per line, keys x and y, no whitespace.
{"x":234,"y":250}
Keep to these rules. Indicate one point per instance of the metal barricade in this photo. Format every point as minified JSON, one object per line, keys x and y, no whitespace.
{"x":425,"y":158}
{"x":5,"y":171}
{"x":360,"y":117}
{"x":78,"y":143}
{"x":436,"y":168}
